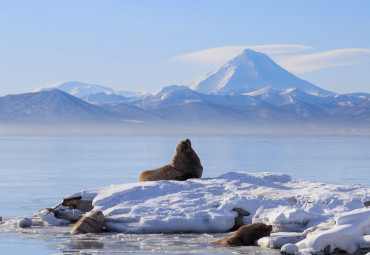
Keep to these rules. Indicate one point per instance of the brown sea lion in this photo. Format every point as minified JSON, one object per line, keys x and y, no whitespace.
{"x":246,"y":235}
{"x":94,"y":223}
{"x":185,"y":165}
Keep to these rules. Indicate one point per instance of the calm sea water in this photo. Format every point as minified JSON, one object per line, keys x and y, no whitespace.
{"x":38,"y":171}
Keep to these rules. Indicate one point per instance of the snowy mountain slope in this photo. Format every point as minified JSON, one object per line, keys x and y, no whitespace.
{"x":358,"y":115}
{"x":175,"y":95}
{"x":167,"y":96}
{"x":352,"y":99}
{"x":79,"y":89}
{"x":180,"y":103}
{"x":248,"y":72}
{"x":53,"y":105}
{"x":271,"y":96}
{"x":84,"y":90}
{"x":322,"y":105}
{"x":103,"y":98}
{"x":133,"y":113}
{"x":56,"y":106}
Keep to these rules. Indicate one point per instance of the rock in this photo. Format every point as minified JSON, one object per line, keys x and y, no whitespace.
{"x":94,"y":223}
{"x":1,"y":219}
{"x":246,"y":235}
{"x":367,"y":203}
{"x":78,"y":203}
{"x":48,"y":217}
{"x":24,"y":223}
{"x":239,"y":219}
{"x":72,"y":215}
{"x":364,"y":246}
{"x":289,"y":249}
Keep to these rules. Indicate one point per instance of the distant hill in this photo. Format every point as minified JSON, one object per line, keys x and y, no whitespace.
{"x":53,"y":105}
{"x":79,"y":89}
{"x":133,"y":113}
{"x":267,"y":105}
{"x":85,"y":90}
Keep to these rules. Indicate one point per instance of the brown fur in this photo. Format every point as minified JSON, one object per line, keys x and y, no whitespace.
{"x":246,"y":235}
{"x":185,"y":164}
{"x":93,"y":223}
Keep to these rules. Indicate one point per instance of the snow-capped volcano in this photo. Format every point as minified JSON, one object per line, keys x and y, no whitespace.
{"x":251,"y":71}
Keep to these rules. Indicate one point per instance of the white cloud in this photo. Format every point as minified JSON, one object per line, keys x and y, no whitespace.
{"x":294,"y":63}
{"x":223,"y":54}
{"x":48,"y":85}
{"x":312,"y":62}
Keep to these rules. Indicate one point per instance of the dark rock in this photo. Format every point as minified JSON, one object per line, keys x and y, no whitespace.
{"x":239,"y":219}
{"x":78,"y":203}
{"x":25,"y":223}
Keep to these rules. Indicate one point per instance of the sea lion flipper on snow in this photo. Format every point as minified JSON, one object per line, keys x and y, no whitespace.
{"x":185,"y":165}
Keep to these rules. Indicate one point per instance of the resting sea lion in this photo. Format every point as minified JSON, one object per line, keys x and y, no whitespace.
{"x":94,"y":223}
{"x":185,"y":165}
{"x":246,"y":235}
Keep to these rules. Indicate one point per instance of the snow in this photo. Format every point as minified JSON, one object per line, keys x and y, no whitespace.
{"x":347,"y":234}
{"x":206,"y":205}
{"x":278,"y":240}
{"x":48,"y":218}
{"x":289,"y":248}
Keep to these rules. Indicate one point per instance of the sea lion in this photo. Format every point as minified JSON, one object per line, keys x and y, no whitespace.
{"x":246,"y":235}
{"x":94,"y":223}
{"x":185,"y":165}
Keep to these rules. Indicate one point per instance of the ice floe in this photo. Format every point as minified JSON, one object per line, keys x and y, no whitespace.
{"x":208,"y":205}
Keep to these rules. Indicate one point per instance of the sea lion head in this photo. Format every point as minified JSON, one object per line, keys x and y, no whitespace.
{"x":187,"y":161}
{"x":184,"y":146}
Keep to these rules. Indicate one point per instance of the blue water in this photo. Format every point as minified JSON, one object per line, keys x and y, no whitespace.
{"x":38,"y":171}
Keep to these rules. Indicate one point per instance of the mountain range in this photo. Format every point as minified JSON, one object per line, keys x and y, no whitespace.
{"x":250,"y":90}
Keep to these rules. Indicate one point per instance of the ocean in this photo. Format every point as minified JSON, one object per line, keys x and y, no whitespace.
{"x":38,"y":171}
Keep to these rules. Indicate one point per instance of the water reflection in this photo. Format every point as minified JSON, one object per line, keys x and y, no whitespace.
{"x":57,"y":240}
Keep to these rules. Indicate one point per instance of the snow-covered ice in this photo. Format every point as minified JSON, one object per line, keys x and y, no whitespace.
{"x":206,"y":205}
{"x":347,"y":234}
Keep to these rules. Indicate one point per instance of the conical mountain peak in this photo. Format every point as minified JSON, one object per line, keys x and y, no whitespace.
{"x":248,"y":72}
{"x":249,"y":55}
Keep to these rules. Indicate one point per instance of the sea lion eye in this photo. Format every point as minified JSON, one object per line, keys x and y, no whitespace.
{"x":184,"y":144}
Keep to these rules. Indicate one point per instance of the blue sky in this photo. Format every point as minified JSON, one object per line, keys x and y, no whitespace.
{"x":145,"y":45}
